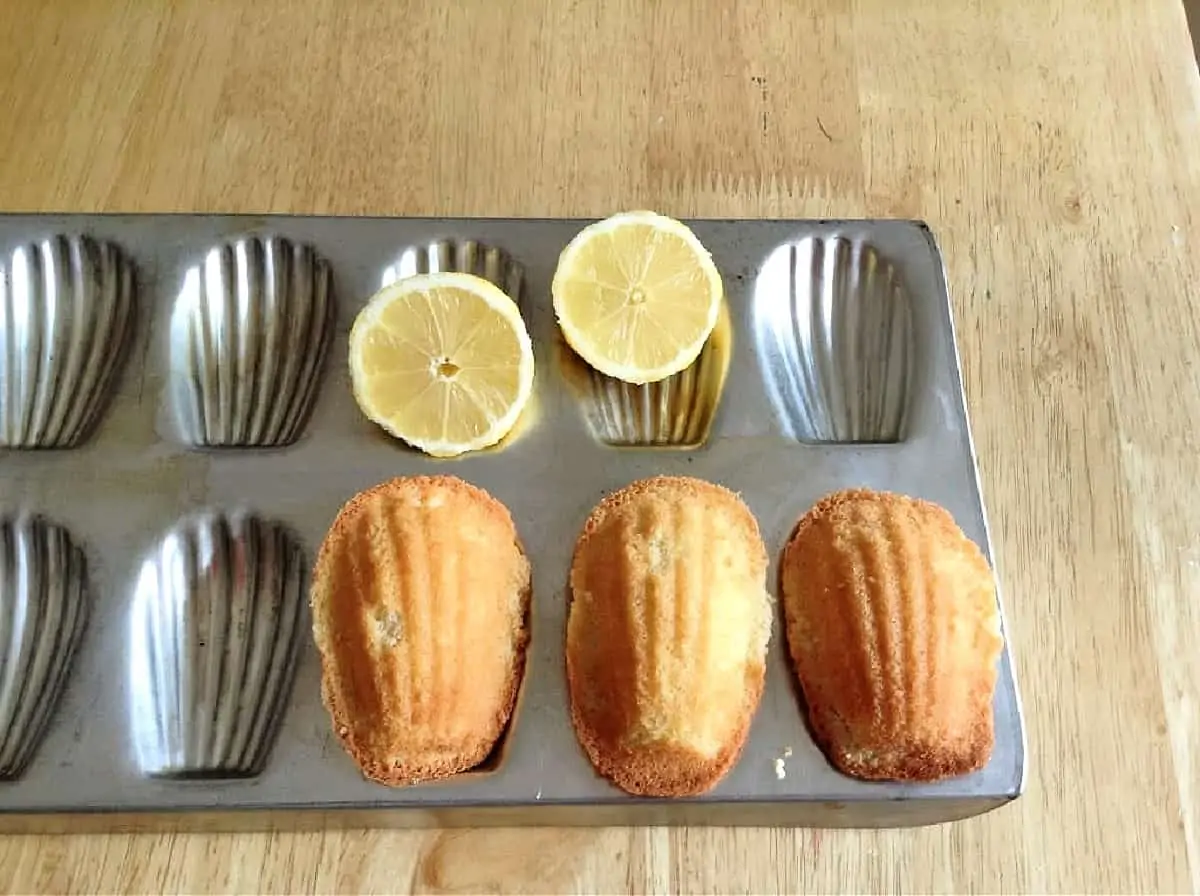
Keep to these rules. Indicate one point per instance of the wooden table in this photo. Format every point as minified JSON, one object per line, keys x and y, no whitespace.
{"x":1052,"y":145}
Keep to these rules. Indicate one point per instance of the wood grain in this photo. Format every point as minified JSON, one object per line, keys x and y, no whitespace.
{"x":1052,"y":146}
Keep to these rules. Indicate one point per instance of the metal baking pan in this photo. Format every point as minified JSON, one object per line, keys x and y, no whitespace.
{"x":178,"y":432}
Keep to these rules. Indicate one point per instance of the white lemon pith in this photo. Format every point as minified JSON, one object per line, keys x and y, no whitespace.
{"x":636,"y":296}
{"x":442,"y":361}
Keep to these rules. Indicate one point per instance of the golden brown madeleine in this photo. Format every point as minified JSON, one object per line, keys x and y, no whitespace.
{"x":420,"y":600}
{"x":894,"y":632}
{"x":667,"y":634}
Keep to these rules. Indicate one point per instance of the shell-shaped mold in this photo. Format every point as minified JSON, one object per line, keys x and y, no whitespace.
{"x":832,"y":325}
{"x":213,"y":646}
{"x":462,"y":257}
{"x":249,"y":334}
{"x":66,"y":313}
{"x":676,"y":412}
{"x":43,"y":612}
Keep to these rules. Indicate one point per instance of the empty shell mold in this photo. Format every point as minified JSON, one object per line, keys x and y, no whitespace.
{"x":676,"y":412}
{"x":249,"y":335}
{"x":834,"y":338}
{"x":43,"y":612}
{"x":462,"y":257}
{"x":66,"y":306}
{"x":213,"y":642}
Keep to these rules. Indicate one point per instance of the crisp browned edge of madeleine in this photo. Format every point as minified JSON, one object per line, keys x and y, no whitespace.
{"x":416,"y":772}
{"x":926,"y":767}
{"x":658,"y":770}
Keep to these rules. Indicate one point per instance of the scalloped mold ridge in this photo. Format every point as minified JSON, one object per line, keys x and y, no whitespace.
{"x":66,"y":317}
{"x":214,"y":638}
{"x":833,"y":333}
{"x":676,"y":412}
{"x":250,"y":332}
{"x":459,"y":256}
{"x":43,"y":614}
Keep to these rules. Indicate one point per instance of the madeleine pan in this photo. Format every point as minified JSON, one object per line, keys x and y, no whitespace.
{"x":177,"y":432}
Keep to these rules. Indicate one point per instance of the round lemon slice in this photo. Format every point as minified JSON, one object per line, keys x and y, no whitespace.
{"x":636,"y":296}
{"x":442,"y":361}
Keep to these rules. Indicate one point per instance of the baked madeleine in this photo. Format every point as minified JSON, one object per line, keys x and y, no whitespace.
{"x":894,"y":632}
{"x":420,"y":599}
{"x":667,"y":634}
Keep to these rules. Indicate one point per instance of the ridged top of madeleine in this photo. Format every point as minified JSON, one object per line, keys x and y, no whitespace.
{"x":419,"y":602}
{"x":667,"y":634}
{"x":894,"y":630}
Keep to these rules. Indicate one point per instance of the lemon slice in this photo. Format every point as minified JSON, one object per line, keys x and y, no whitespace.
{"x":636,"y":296}
{"x":442,"y":361}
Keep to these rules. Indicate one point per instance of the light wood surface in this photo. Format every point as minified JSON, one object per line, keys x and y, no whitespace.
{"x":1053,"y":146}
